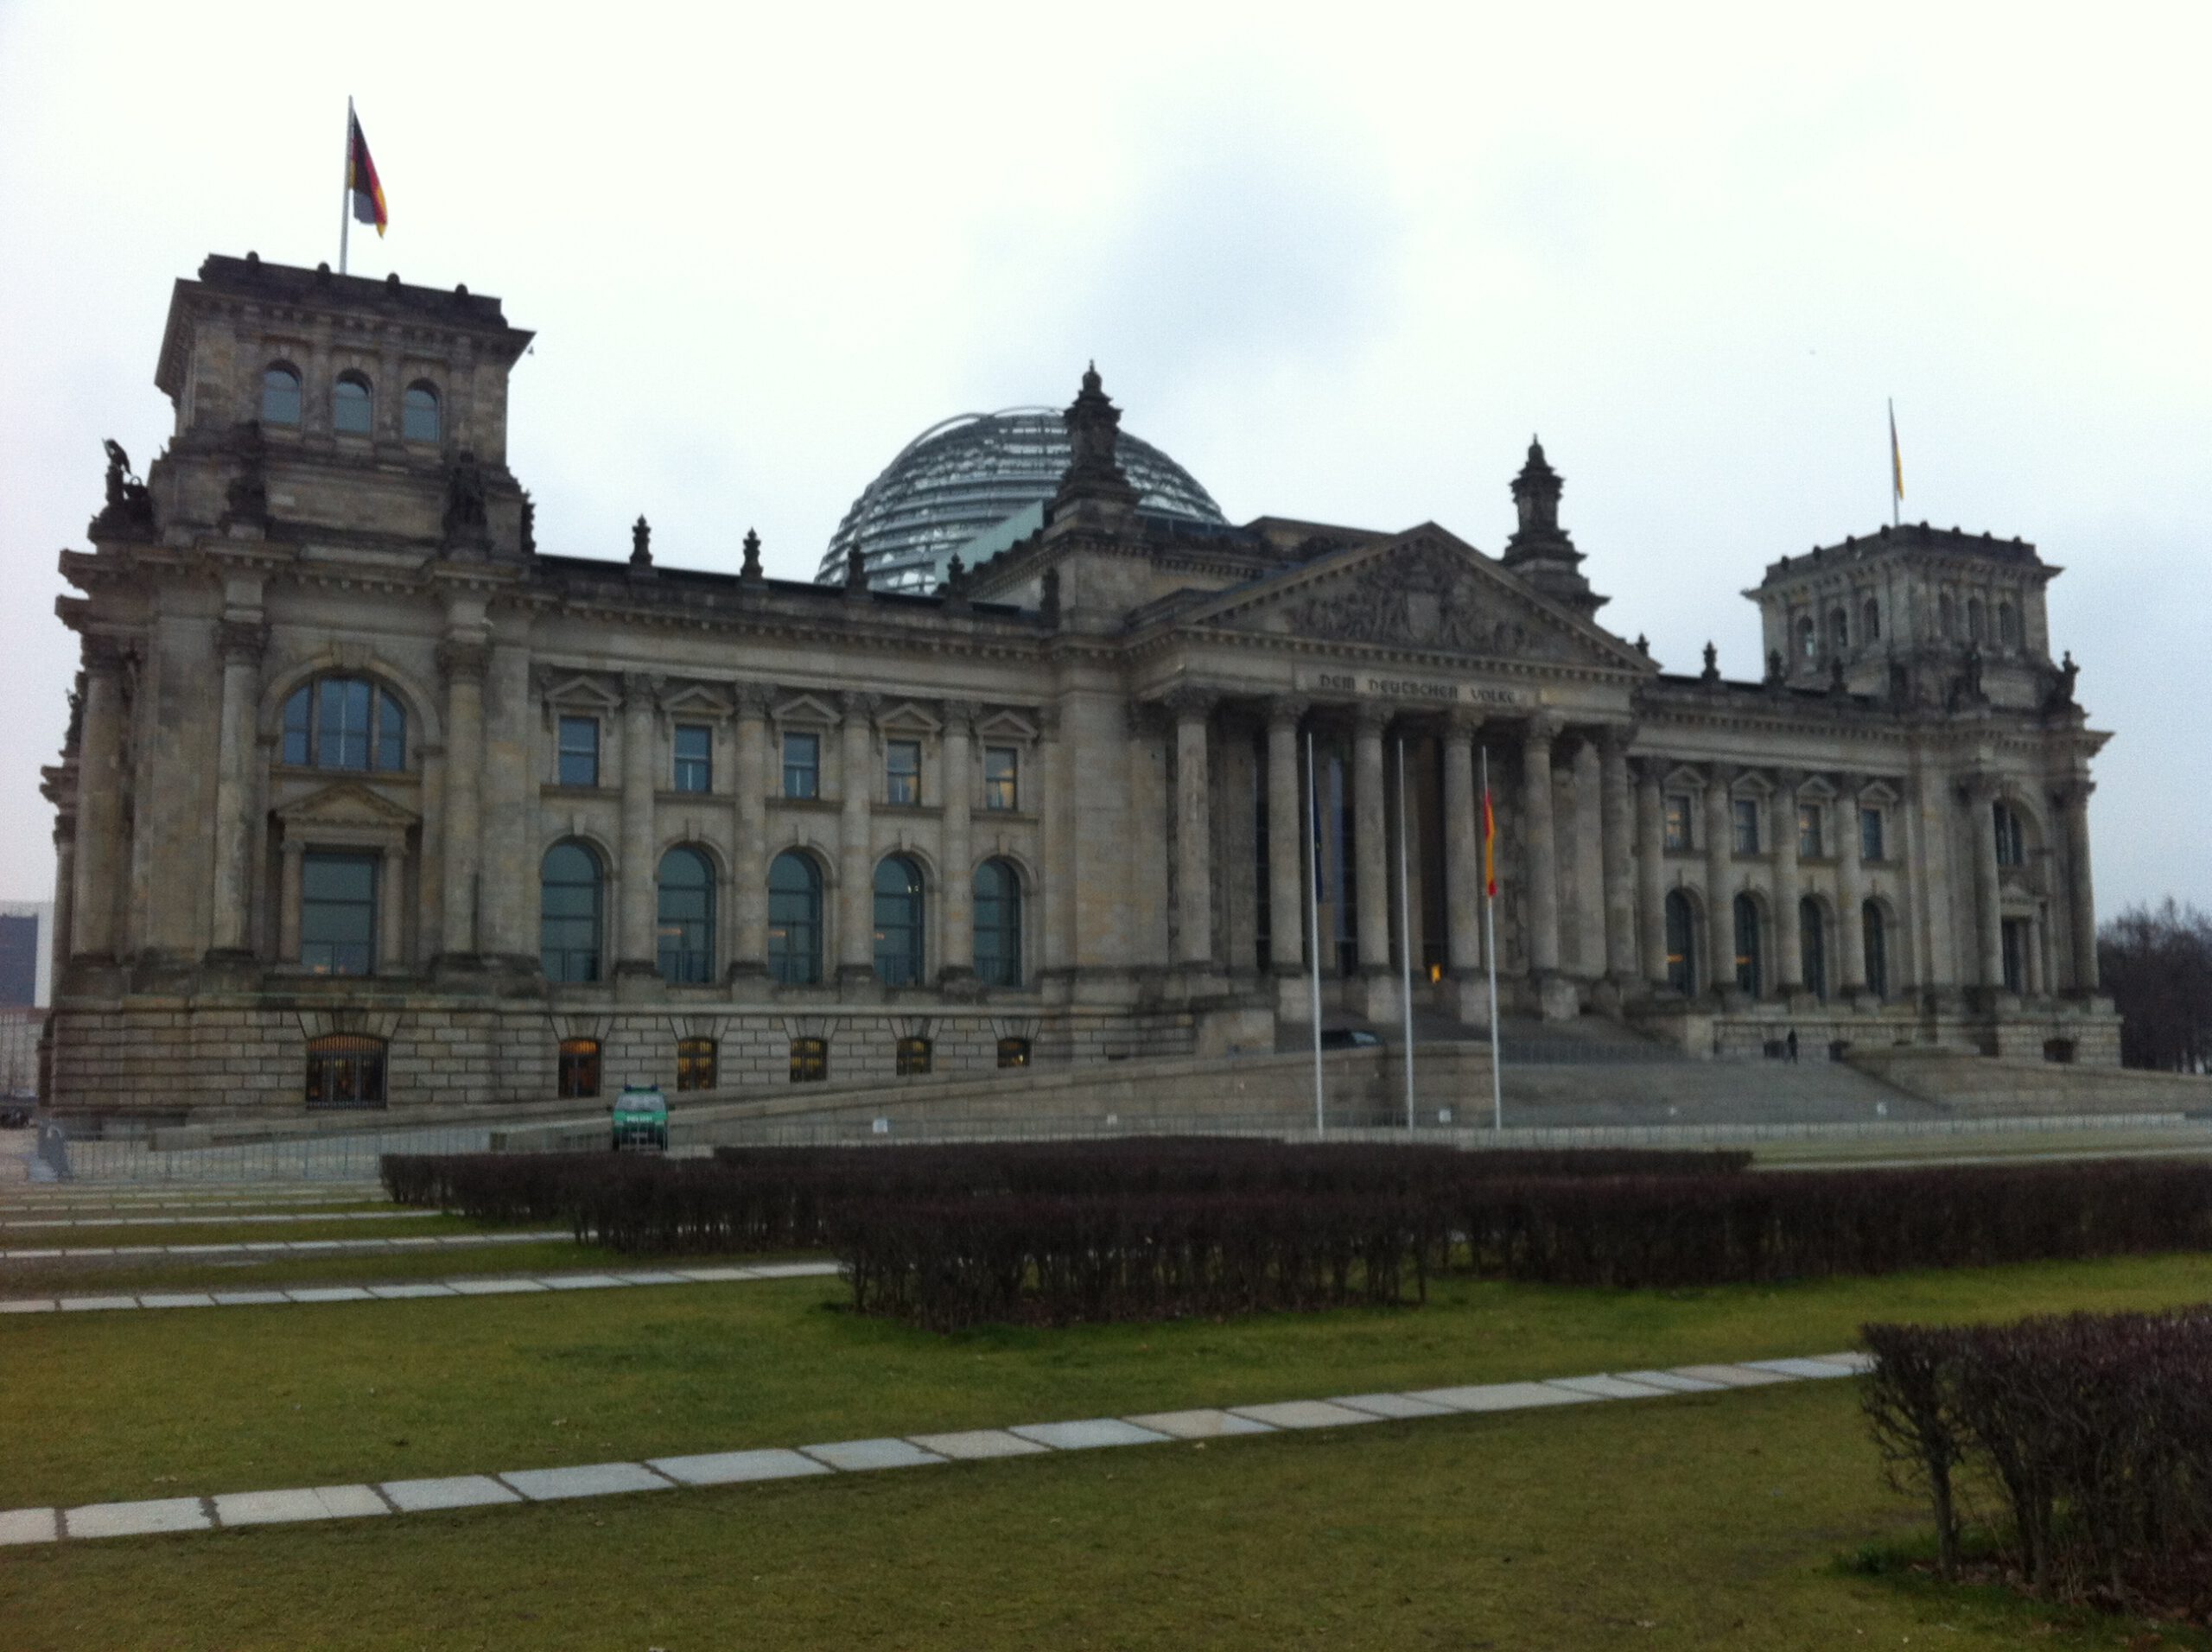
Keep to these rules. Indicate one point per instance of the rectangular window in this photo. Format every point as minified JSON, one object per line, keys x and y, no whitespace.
{"x":345,"y":1070}
{"x":1809,"y":830}
{"x":695,"y":758}
{"x":1870,"y":835}
{"x":695,"y":1063}
{"x":579,"y":1069}
{"x":338,"y":913}
{"x":1678,"y":823}
{"x":578,"y":750}
{"x":802,"y":765}
{"x":902,"y":771}
{"x":1014,"y":1052}
{"x":913,"y":1056}
{"x":809,"y":1060}
{"x":344,"y":737}
{"x":1000,"y":765}
{"x":1747,"y":826}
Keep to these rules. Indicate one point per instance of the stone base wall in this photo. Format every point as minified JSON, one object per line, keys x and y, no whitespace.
{"x":2087,"y":1031}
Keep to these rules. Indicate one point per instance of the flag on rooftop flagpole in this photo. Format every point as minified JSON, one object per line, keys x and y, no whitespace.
{"x":1897,"y":458}
{"x":361,"y":179}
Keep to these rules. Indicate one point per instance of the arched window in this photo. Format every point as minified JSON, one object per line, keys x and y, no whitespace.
{"x":1808,"y":641}
{"x":418,"y":414}
{"x":345,"y":1070}
{"x":570,"y":899}
{"x":695,"y":1063}
{"x":1869,"y":621}
{"x":1747,"y":945}
{"x":2008,"y":625}
{"x":1813,"y":947}
{"x":351,"y":412}
{"x":579,"y":1069}
{"x":1839,"y":631}
{"x":2011,"y":839}
{"x":1681,"y":948}
{"x":280,"y":396}
{"x":687,"y":916}
{"x":344,"y":722}
{"x":1977,"y":621}
{"x":998,"y":924}
{"x":898,"y":922}
{"x":1877,"y":950}
{"x":1946,"y":617}
{"x":795,"y":919}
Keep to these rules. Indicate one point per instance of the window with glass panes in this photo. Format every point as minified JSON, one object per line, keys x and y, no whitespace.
{"x":569,"y":897}
{"x":1014,"y":1052}
{"x":1747,"y":826}
{"x":578,"y":750}
{"x":1870,"y":835}
{"x":998,"y":924}
{"x":344,"y":722}
{"x":1809,"y":830}
{"x":1678,"y":822}
{"x":345,"y":1070}
{"x":2011,"y":841}
{"x":695,"y":757}
{"x":1000,"y":766}
{"x":794,"y":920}
{"x":685,"y":930}
{"x":913,"y":1057}
{"x":802,"y":765}
{"x":902,"y":771}
{"x":338,"y":913}
{"x":578,"y":1073}
{"x":695,"y":1063}
{"x":809,"y":1060}
{"x":898,"y":922}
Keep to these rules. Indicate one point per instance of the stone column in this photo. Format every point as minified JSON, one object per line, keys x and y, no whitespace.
{"x":1981,"y":800}
{"x":1371,"y":830}
{"x":1544,"y":860}
{"x":639,"y":904}
{"x":391,"y":953}
{"x":957,"y":947}
{"x":1586,"y":856}
{"x":462,"y":657}
{"x":1286,"y":841}
{"x":1619,"y":873}
{"x":856,"y":864}
{"x":2080,"y":893}
{"x":1851,"y":888}
{"x":1463,"y":844}
{"x":1651,"y":867}
{"x":239,"y":642}
{"x":507,"y":838}
{"x":287,"y":903}
{"x":98,"y":859}
{"x":64,"y":897}
{"x":1193,"y":829}
{"x":1056,"y":830}
{"x":749,"y":950}
{"x":1788,"y":940}
{"x":1720,"y":895}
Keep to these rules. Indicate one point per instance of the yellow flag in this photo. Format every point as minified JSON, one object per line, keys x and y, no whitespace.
{"x":1897,"y":457}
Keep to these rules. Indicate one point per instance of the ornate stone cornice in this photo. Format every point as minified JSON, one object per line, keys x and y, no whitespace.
{"x":1189,"y":704}
{"x":1287,"y":711}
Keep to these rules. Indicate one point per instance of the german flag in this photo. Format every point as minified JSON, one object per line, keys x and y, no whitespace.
{"x":361,"y":178}
{"x":1489,"y":846}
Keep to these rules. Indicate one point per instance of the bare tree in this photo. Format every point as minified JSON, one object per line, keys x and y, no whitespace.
{"x":2156,"y":964}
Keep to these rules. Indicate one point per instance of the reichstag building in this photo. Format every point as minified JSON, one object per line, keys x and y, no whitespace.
{"x":367,"y":801}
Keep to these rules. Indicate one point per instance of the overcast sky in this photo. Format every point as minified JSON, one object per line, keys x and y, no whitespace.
{"x":1341,"y":263}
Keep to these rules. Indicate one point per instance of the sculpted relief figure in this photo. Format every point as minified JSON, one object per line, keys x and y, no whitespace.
{"x":1425,"y":597}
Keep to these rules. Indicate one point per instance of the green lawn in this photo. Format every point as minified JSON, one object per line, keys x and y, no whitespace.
{"x":144,"y":1404}
{"x":1687,"y":1525}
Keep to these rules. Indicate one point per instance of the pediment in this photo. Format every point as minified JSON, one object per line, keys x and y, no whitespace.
{"x":1005,"y":725}
{"x":576,"y":689}
{"x":1424,"y":590}
{"x":697,"y":699}
{"x":347,"y":804}
{"x":806,"y":708}
{"x":907,"y":718}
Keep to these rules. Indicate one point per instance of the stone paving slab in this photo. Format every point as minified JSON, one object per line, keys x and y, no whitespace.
{"x":581,"y":1281}
{"x":1675,"y":1382}
{"x":132,"y":1519}
{"x":246,"y":1298}
{"x":397,"y":1290}
{"x":716,"y":1275}
{"x":331,"y":1294}
{"x":1503,"y":1396}
{"x":29,"y":1526}
{"x":34,"y":1305}
{"x":1393,"y":1405}
{"x":651,"y":1276}
{"x":1305,"y":1413}
{"x":1606,"y":1387}
{"x":854,"y":1455}
{"x":794,"y":1270}
{"x":1734,"y":1377}
{"x":493,"y":1286}
{"x":1855,"y":1361}
{"x":732,"y":1468}
{"x":453,"y":1492}
{"x":1202,"y":1424}
{"x":312,"y":1502}
{"x":1088,"y":1435}
{"x":176,"y":1299}
{"x":593,"y":1480}
{"x":975,"y":1444}
{"x":1807,"y":1368}
{"x":404,"y":1293}
{"x":290,"y":1247}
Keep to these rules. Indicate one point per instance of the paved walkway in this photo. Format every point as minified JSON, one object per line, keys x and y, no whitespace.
{"x":914,"y":1451}
{"x":505,"y":1284}
{"x":271,"y":1247}
{"x":223,"y":1218}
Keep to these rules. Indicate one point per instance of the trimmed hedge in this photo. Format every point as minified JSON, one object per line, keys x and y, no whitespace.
{"x":2086,"y":1440}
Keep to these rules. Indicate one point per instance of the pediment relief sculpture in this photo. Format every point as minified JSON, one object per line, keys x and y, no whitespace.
{"x":347,"y":804}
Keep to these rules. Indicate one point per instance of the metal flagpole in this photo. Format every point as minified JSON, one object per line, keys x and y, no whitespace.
{"x":1405,"y":937}
{"x":1313,"y":913}
{"x":1489,"y":951}
{"x":346,"y":190}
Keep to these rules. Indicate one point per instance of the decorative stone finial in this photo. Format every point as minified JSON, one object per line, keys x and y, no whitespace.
{"x":1094,"y":432}
{"x":751,"y":568}
{"x":1835,"y":676}
{"x":467,"y":525}
{"x":1774,"y":665}
{"x":1048,"y":597}
{"x":1712,"y":664}
{"x":528,"y":524}
{"x":855,"y":572}
{"x":1643,"y":644}
{"x":641,"y":543}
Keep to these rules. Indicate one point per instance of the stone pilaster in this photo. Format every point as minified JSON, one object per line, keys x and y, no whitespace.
{"x":749,"y":950}
{"x":239,"y":642}
{"x":1543,"y":852}
{"x":957,"y":946}
{"x":1192,"y":711}
{"x":1615,"y":811}
{"x":1981,"y":795}
{"x":98,"y":859}
{"x":1589,"y":918}
{"x":1851,"y":888}
{"x":1720,"y":879}
{"x":1287,"y":832}
{"x":1651,"y":867}
{"x":288,"y":901}
{"x":2080,"y":891}
{"x":855,"y":863}
{"x":462,"y":658}
{"x":1789,"y":939}
{"x":637,"y":884}
{"x":1371,"y":844}
{"x":391,"y":922}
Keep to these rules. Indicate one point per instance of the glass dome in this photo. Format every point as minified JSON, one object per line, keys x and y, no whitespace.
{"x":977,"y":478}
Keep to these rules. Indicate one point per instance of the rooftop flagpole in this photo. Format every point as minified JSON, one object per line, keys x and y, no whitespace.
{"x":1313,"y":913}
{"x":345,"y":189}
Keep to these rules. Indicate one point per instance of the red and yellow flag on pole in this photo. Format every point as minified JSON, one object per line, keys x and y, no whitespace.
{"x":361,"y":178}
{"x":1489,"y":846}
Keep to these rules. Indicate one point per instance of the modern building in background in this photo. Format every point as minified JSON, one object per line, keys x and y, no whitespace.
{"x":26,"y":953}
{"x":368,"y":801}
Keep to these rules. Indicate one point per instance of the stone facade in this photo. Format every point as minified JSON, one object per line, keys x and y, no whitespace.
{"x":354,"y":768}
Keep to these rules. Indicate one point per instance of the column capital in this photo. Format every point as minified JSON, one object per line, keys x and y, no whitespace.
{"x":464,"y":658}
{"x":1787,"y":780}
{"x":1189,"y":704}
{"x":960,"y":714}
{"x":2073,"y":794}
{"x":1722,"y":775}
{"x":103,"y":655}
{"x":1543,"y":728}
{"x":754,"y":699}
{"x":1370,"y":718}
{"x":241,"y":641}
{"x":1287,"y":712}
{"x":641,"y":690}
{"x":860,"y":706}
{"x":1615,"y":738}
{"x":1465,"y":723}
